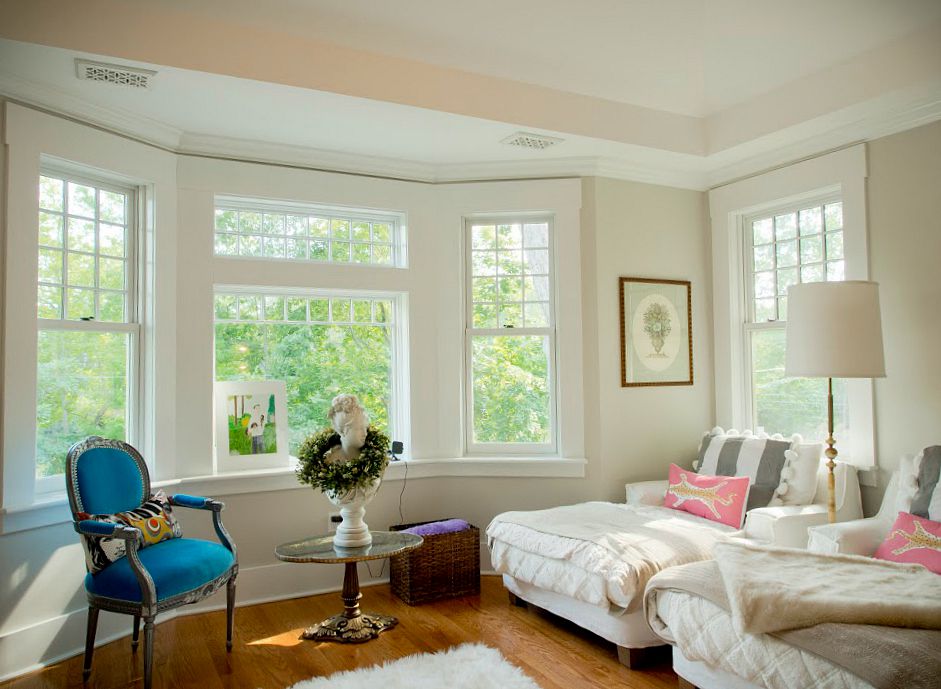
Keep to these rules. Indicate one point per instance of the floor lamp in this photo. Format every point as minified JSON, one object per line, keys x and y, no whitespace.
{"x":834,"y":330}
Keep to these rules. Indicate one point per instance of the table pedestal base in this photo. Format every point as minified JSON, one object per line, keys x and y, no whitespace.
{"x":351,"y":626}
{"x":357,"y":630}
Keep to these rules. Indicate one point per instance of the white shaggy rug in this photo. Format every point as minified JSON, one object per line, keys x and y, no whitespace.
{"x":469,"y":666}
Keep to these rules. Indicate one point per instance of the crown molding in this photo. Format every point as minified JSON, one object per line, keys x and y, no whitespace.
{"x":868,"y":121}
{"x":119,"y":121}
{"x":836,"y":131}
{"x":339,"y":161}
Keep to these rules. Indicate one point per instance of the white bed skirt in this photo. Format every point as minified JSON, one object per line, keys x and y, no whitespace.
{"x":628,"y":630}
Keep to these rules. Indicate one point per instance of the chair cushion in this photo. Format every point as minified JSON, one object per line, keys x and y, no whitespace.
{"x":154,"y":519}
{"x":176,"y":566}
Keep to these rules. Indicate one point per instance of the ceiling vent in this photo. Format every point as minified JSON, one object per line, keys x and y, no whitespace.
{"x":120,"y":75}
{"x":530,"y":140}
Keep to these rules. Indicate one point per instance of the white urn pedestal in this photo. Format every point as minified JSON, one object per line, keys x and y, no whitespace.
{"x":353,"y":532}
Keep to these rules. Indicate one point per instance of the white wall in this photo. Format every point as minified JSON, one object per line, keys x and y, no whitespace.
{"x":905,"y":254}
{"x":642,"y":230}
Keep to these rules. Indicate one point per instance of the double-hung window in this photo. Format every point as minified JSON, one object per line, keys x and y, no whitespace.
{"x":783,"y":247}
{"x":320,"y":343}
{"x":510,"y":336}
{"x":88,"y":339}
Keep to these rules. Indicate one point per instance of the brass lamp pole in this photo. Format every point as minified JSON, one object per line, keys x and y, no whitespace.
{"x":831,"y":454}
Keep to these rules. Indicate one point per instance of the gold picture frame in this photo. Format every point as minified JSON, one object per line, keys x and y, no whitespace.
{"x":656,"y":318}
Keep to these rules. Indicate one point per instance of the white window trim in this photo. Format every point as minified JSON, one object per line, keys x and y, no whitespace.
{"x":400,"y":421}
{"x":475,"y":449}
{"x":840,"y":173}
{"x":47,"y":487}
{"x":397,"y":219}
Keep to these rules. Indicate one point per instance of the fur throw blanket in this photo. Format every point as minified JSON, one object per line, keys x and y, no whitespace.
{"x":821,"y":604}
{"x":772,"y":589}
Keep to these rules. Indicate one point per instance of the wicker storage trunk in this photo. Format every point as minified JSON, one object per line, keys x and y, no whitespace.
{"x":445,"y":566}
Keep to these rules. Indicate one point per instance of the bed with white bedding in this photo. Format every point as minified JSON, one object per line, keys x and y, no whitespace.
{"x":708,"y":652}
{"x":772,"y":618}
{"x":590,"y":562}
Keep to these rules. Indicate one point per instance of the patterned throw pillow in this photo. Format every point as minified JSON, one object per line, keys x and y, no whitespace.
{"x":719,"y":498}
{"x":760,"y":458}
{"x":154,"y":519}
{"x":927,"y":499}
{"x":913,"y":539}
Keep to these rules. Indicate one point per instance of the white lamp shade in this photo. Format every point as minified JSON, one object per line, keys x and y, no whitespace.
{"x":834,"y":330}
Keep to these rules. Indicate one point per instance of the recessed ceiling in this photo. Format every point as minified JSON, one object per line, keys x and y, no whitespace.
{"x":693,"y":57}
{"x":689,"y":93}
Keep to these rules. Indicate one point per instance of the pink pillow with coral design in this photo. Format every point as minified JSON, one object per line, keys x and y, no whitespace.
{"x":913,"y":539}
{"x":719,"y":498}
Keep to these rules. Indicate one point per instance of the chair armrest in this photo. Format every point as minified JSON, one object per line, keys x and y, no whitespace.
{"x":646,"y":492}
{"x":93,"y":527}
{"x":132,"y":537}
{"x":784,"y":525}
{"x":196,"y":502}
{"x":215,"y":506}
{"x":858,"y":537}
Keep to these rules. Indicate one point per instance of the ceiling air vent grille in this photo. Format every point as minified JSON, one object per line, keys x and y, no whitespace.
{"x":120,"y":75}
{"x":530,"y":140}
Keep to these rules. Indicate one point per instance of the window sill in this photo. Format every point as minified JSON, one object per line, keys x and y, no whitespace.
{"x":493,"y":467}
{"x":55,"y":509}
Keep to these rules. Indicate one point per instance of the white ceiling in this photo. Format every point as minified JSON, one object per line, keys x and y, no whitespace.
{"x":687,"y":92}
{"x":694,"y":57}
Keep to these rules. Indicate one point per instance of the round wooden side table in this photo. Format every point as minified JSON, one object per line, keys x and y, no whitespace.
{"x":352,"y":626}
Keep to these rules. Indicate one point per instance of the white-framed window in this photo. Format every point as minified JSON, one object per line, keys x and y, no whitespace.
{"x":783,"y":246}
{"x":510,"y":336}
{"x":320,"y":343}
{"x":248,"y":228}
{"x":88,"y":347}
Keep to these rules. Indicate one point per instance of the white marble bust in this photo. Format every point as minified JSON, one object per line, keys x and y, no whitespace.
{"x":350,"y":421}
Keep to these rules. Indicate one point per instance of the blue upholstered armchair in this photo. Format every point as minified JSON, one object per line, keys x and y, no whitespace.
{"x":106,"y":477}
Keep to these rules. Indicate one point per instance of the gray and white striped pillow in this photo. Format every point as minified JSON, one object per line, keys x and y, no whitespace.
{"x":759,"y":458}
{"x":927,"y":500}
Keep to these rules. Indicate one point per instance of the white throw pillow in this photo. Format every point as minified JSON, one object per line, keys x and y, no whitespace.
{"x":799,"y":477}
{"x":908,"y":484}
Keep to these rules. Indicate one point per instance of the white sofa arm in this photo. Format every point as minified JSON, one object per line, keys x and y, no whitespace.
{"x":784,"y":526}
{"x":858,"y":537}
{"x":646,"y":492}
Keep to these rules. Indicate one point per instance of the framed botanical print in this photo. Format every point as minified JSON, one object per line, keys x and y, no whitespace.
{"x":656,"y":332}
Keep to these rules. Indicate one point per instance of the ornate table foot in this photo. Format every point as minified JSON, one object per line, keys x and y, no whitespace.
{"x":355,"y":630}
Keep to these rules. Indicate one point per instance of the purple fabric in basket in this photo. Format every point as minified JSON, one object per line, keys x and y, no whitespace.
{"x":437,"y":528}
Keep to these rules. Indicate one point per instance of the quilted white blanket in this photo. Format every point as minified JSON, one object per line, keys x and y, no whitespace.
{"x":624,"y":545}
{"x":690,"y":606}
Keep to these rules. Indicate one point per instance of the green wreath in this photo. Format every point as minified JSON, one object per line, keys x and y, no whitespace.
{"x":341,"y":477}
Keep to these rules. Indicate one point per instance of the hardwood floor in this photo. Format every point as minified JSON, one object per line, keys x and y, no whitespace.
{"x":267,"y":654}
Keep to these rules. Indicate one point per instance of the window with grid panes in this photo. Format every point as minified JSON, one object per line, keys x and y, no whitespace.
{"x":510,"y":336}
{"x":305,"y":234}
{"x":801,"y":243}
{"x":320,"y":344}
{"x":88,"y":333}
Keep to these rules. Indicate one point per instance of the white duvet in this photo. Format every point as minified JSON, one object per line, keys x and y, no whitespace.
{"x":598,"y":552}
{"x":704,"y":632}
